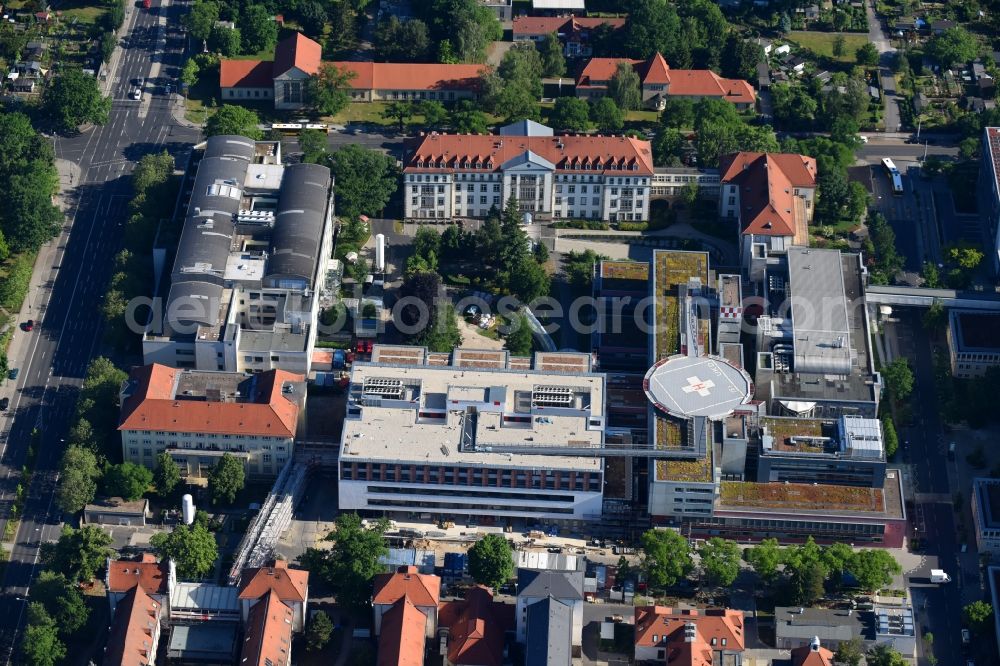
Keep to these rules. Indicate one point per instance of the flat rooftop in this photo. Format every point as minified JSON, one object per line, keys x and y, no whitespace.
{"x":801,"y":497}
{"x":672,"y":268}
{"x":419,"y":414}
{"x":976,"y":330}
{"x":819,"y":311}
{"x":203,"y":641}
{"x":625,"y":270}
{"x":795,"y":435}
{"x":987,"y":493}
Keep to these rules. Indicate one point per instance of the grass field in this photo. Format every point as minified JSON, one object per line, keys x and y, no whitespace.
{"x":821,"y":43}
{"x":85,"y":14}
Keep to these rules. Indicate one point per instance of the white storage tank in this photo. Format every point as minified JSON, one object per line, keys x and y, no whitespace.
{"x":380,"y":253}
{"x":187,"y":509}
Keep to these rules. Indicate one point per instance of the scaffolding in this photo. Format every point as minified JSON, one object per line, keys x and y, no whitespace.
{"x":274,"y":518}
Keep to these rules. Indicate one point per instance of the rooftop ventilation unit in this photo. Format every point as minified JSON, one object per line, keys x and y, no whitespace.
{"x":384,"y":387}
{"x":552,"y":396}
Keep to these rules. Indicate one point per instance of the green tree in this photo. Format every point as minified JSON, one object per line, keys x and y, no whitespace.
{"x":764,"y":558}
{"x":225,"y":41}
{"x":62,"y":600}
{"x":427,"y":244}
{"x":127,"y":480}
{"x":167,"y":474}
{"x":529,"y":280}
{"x":78,"y":554}
{"x":73,"y":98}
{"x":652,"y":26}
{"x":319,"y":632}
{"x":666,"y":557}
{"x":465,"y":118}
{"x":78,"y":474}
{"x":678,"y":113}
{"x":434,"y":113}
{"x":189,"y":73}
{"x":235,"y":120}
{"x":40,"y":644}
{"x":935,"y":317}
{"x":514,"y":89}
{"x":226,"y":479}
{"x":720,"y":561}
{"x":883,"y":654}
{"x":398,"y":111}
{"x":965,"y":257}
{"x":313,"y":144}
{"x":571,"y":114}
{"x":740,"y":57}
{"x":606,"y":115}
{"x":624,"y":87}
{"x":889,"y":436}
{"x":514,"y":241}
{"x":898,"y":378}
{"x":954,"y":45}
{"x":491,"y":561}
{"x":867,"y":55}
{"x":553,"y":62}
{"x":443,"y":334}
{"x":793,"y":106}
{"x":352,"y":561}
{"x":839,"y":42}
{"x":202,"y":18}
{"x":808,"y":571}
{"x":191,"y":547}
{"x":978,"y":616}
{"x":873,"y":568}
{"x":312,"y":17}
{"x":668,"y":147}
{"x":328,"y":90}
{"x":519,"y":339}
{"x":405,"y":41}
{"x":366,"y":179}
{"x":850,"y":652}
{"x":258,"y":29}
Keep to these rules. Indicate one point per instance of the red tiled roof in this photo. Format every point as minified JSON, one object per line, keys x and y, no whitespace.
{"x":476,"y":628}
{"x":679,"y":82}
{"x":245,"y":73}
{"x":667,"y":624}
{"x":150,"y":575}
{"x":297,"y":51}
{"x":289,"y":584}
{"x":131,"y":638}
{"x":269,"y":633}
{"x":412,"y":76}
{"x":402,"y":641}
{"x":695,"y":653}
{"x":563,"y":151}
{"x":544,"y":25}
{"x":421,"y":589}
{"x":766,"y":182}
{"x":805,"y":655}
{"x":152,"y":407}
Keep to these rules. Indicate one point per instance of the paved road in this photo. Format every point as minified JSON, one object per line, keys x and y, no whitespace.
{"x":911,"y":214}
{"x":887,"y":54}
{"x":75,"y":269}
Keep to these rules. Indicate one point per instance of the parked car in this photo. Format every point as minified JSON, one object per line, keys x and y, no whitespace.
{"x":29,"y":325}
{"x":4,"y":404}
{"x":13,"y":373}
{"x":966,"y":637}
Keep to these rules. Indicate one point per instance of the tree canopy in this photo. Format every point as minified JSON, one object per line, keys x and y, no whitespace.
{"x":232,"y":119}
{"x":513,"y":90}
{"x":898,"y":378}
{"x":625,"y":88}
{"x":78,"y":475}
{"x":226,"y":479}
{"x":553,"y":62}
{"x":720,"y":561}
{"x":954,"y":45}
{"x":491,"y":561}
{"x":571,"y":114}
{"x":192,"y":548}
{"x":666,"y":557}
{"x":366,"y":180}
{"x":257,"y":27}
{"x":127,"y":480}
{"x":328,"y":90}
{"x":62,"y":600}
{"x":72,"y":98}
{"x":764,"y":558}
{"x":519,"y":339}
{"x":167,"y":474}
{"x":978,"y":616}
{"x":466,"y":26}
{"x":402,"y":41}
{"x":40,"y":644}
{"x":873,"y":568}
{"x":28,"y":218}
{"x":79,"y":553}
{"x":606,"y":115}
{"x":352,"y":561}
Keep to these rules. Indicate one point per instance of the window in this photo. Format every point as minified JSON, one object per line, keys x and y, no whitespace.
{"x":496,"y":200}
{"x":496,"y":187}
{"x":482,"y":201}
{"x":572,"y":189}
{"x":266,"y":457}
{"x":482,"y":188}
{"x":134,"y":451}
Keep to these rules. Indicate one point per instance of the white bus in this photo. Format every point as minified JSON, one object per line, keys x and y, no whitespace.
{"x":295,"y":128}
{"x":894,"y":176}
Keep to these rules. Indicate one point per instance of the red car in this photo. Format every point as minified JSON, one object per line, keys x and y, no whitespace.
{"x":29,"y":325}
{"x":146,"y":4}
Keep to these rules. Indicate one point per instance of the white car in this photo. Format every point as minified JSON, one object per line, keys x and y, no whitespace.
{"x":863,"y":138}
{"x":137,"y":94}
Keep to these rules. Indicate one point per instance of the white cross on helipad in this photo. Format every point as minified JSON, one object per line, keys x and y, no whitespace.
{"x":695,"y":385}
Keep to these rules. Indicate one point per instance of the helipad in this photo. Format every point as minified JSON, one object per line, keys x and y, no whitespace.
{"x":697,"y":386}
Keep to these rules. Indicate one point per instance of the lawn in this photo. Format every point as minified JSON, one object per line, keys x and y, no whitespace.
{"x":371,"y":112}
{"x":84,"y":14}
{"x":821,"y":43}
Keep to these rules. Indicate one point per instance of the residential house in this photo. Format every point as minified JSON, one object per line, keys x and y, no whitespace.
{"x":135,"y":629}
{"x":122,"y":576}
{"x":291,"y":586}
{"x":689,"y":637}
{"x":548,"y":633}
{"x":564,"y":587}
{"x":771,"y":196}
{"x":573,"y":32}
{"x":813,"y":654}
{"x":794,"y":626}
{"x":450,"y":176}
{"x":939,"y":26}
{"x":659,"y":82}
{"x":296,"y":58}
{"x":422,"y":590}
{"x":268,"y":633}
{"x":473,"y":631}
{"x":198,"y":416}
{"x":403,"y":639}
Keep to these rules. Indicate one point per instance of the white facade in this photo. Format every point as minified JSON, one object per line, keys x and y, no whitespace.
{"x":521,"y":615}
{"x":670,"y":182}
{"x":680,"y":499}
{"x":987,"y":526}
{"x":196,"y":453}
